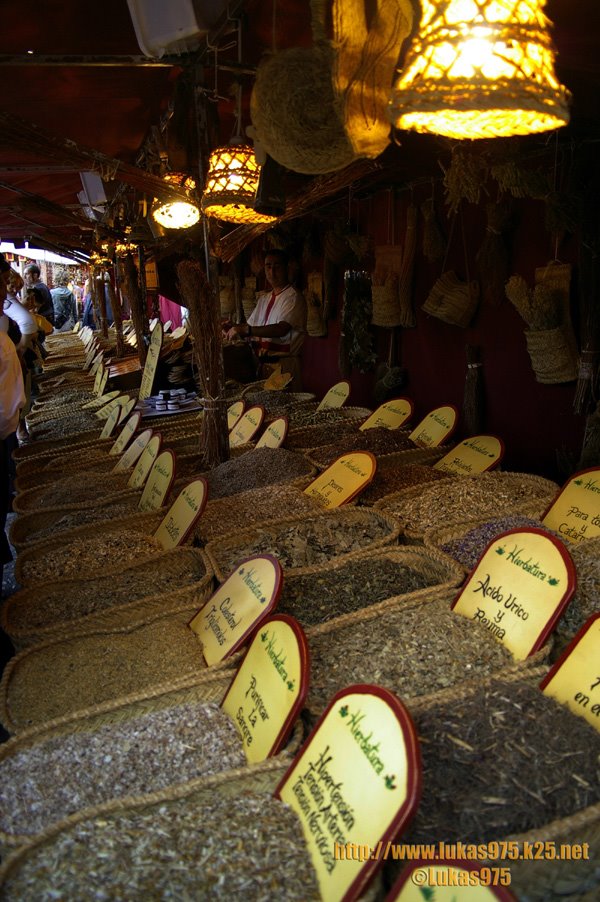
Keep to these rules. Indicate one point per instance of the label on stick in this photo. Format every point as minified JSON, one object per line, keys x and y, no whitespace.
{"x":159,"y":482}
{"x":344,"y":479}
{"x":390,"y":415}
{"x":575,"y":513}
{"x":435,"y":428}
{"x":575,"y":678}
{"x":183,"y":514}
{"x":128,"y":460}
{"x":247,"y":426}
{"x":336,"y":396}
{"x":145,"y":463}
{"x":126,"y":434}
{"x":473,"y":455}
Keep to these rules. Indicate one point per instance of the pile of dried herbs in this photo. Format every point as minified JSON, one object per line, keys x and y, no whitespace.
{"x":378,"y":441}
{"x":260,"y":467}
{"x":317,"y":436}
{"x":586,"y":601}
{"x":392,"y":476}
{"x":468,"y":549}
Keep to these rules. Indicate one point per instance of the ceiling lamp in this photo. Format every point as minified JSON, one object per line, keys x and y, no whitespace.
{"x":177,"y":214}
{"x":480,"y":69}
{"x":231,"y":184}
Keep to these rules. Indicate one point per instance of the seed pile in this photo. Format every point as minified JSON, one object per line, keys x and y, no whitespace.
{"x":75,"y":491}
{"x":318,"y":597}
{"x":308,"y":415}
{"x":82,"y":421}
{"x":272,"y":400}
{"x":505,"y":760}
{"x":586,"y":601}
{"x":90,"y":554}
{"x":93,"y":471}
{"x":378,"y":441}
{"x":260,"y":505}
{"x":64,"y":677}
{"x":251,"y":847}
{"x":305,"y":543}
{"x":51,"y":605}
{"x":413,"y":652}
{"x":468,"y":548}
{"x":263,"y":466}
{"x":392,"y":477}
{"x":60,"y":775}
{"x":71,"y":519}
{"x":317,"y":436}
{"x":468,"y":497}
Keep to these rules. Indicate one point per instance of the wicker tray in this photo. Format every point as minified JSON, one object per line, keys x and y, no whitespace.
{"x":18,"y":671}
{"x":211,"y":688}
{"x":28,"y":605}
{"x":142,"y":523}
{"x":222,"y":551}
{"x":540,"y":489}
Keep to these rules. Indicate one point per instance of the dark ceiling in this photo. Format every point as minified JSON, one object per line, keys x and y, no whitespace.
{"x":88,"y":81}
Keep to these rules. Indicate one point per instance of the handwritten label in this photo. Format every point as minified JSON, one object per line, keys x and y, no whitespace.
{"x":156,"y":340}
{"x":575,"y":678}
{"x":128,"y":460}
{"x":269,"y":687}
{"x":159,"y":482}
{"x":519,"y":588}
{"x":98,"y":380}
{"x":111,"y":422}
{"x":447,"y":881}
{"x":474,"y":455}
{"x":145,"y":463}
{"x":247,"y":426}
{"x":274,"y":435}
{"x":336,"y":396}
{"x":435,"y":428}
{"x":246,"y":597}
{"x":234,"y":412}
{"x":183,"y":514}
{"x":575,"y":513}
{"x":126,"y":434}
{"x":106,"y":409}
{"x":390,"y":415}
{"x":127,"y":405}
{"x":98,"y":403}
{"x":356,"y":780}
{"x":103,"y":381}
{"x":344,"y":479}
{"x":97,"y":363}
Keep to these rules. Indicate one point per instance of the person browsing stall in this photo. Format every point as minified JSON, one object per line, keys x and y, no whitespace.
{"x":277,"y":325}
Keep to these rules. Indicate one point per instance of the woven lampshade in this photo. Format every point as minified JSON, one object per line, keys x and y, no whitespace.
{"x":177,"y":214}
{"x":231,"y":185}
{"x":480,"y":69}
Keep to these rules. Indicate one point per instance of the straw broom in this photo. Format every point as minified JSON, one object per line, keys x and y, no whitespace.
{"x":473,"y":399}
{"x":139,"y":315}
{"x":205,"y":321}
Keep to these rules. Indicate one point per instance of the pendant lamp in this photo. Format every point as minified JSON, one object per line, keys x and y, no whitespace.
{"x":480,"y":69}
{"x":231,"y":184}
{"x":177,"y":214}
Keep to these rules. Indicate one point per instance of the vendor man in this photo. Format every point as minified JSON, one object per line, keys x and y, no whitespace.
{"x":277,"y":325}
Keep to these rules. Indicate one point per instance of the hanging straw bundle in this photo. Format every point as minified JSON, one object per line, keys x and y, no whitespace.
{"x":473,"y":399}
{"x":492,"y":257}
{"x":434,"y":243}
{"x":139,"y":314}
{"x":203,"y":304}
{"x":405,"y":282}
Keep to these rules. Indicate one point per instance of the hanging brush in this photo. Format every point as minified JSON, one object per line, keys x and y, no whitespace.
{"x":473,"y":409}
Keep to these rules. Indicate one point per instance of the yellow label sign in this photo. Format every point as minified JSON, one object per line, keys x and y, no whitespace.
{"x":126,"y":434}
{"x":99,"y":402}
{"x":159,"y":482}
{"x":277,"y":380}
{"x":274,"y":434}
{"x":575,"y":514}
{"x":128,"y":460}
{"x":344,"y":479}
{"x":145,"y":463}
{"x":106,"y":410}
{"x":111,"y":422}
{"x":246,"y":427}
{"x":240,"y":603}
{"x":474,"y":455}
{"x":435,"y":428}
{"x":98,"y":380}
{"x":355,"y":781}
{"x":127,"y":405}
{"x":575,"y":678}
{"x":234,"y":412}
{"x":96,"y":363}
{"x":445,"y":881}
{"x":519,"y":589}
{"x":336,"y":396}
{"x":103,"y":381}
{"x":269,"y":687}
{"x":390,"y":415}
{"x":151,"y":363}
{"x":89,"y":357}
{"x":183,"y":514}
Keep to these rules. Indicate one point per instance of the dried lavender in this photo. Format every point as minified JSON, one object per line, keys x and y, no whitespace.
{"x":468,"y":548}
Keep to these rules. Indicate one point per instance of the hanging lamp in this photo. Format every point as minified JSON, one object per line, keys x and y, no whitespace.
{"x":480,"y":69}
{"x":177,"y":214}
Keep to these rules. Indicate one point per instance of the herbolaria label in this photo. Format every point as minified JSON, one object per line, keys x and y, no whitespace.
{"x":145,"y":463}
{"x":152,"y":355}
{"x":435,"y":428}
{"x":343,"y":480}
{"x":575,"y":514}
{"x":390,"y":415}
{"x":126,"y":434}
{"x":473,"y":455}
{"x":247,"y":426}
{"x":128,"y":460}
{"x":183,"y":514}
{"x":159,"y":482}
{"x":336,"y":396}
{"x":274,"y":434}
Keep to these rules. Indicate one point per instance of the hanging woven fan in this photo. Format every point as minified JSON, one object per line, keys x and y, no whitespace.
{"x":316,"y":109}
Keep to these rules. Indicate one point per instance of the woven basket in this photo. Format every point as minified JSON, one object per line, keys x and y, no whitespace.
{"x":223,"y":555}
{"x":409,"y":455}
{"x":553,"y":357}
{"x":211,"y":688}
{"x":437,"y":538}
{"x":398,"y":459}
{"x":37,"y":449}
{"x":144,"y":523}
{"x":33,"y":499}
{"x":539,"y":488}
{"x":18,"y":672}
{"x":453,"y":301}
{"x":49,"y":457}
{"x":29,"y":604}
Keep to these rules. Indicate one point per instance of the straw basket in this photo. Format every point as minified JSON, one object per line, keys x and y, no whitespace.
{"x":443,"y":535}
{"x":50,"y":457}
{"x":41,"y":498}
{"x":39,"y":448}
{"x":527,"y":489}
{"x":224,"y":552}
{"x":49,"y":611}
{"x":323,"y":456}
{"x":29,"y":673}
{"x":211,"y":688}
{"x":553,"y":357}
{"x":452,"y":300}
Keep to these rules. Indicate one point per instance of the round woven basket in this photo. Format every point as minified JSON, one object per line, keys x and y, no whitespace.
{"x":552,"y":355}
{"x":452,"y":300}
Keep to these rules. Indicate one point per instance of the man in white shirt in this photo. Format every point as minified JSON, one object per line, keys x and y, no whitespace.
{"x":277,"y":325}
